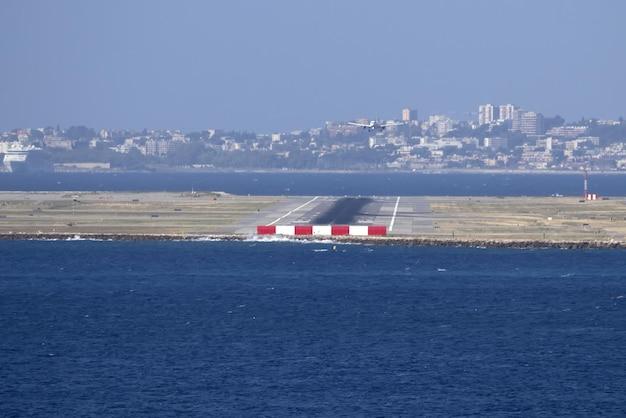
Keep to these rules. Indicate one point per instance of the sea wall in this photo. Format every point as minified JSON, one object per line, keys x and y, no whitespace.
{"x":405,"y":241}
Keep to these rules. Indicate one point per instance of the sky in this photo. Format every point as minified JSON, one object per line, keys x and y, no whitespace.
{"x":278,"y":65}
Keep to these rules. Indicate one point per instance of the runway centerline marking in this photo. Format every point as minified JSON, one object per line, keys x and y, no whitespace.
{"x":294,"y":210}
{"x":393,"y":218}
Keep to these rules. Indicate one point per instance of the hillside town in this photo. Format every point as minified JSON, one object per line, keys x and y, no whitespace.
{"x":503,"y":137}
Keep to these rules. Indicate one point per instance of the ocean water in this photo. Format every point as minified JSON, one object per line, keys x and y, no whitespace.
{"x":285,"y":329}
{"x":333,"y":184}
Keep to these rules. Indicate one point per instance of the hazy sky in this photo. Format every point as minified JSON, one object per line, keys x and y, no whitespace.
{"x":281,"y":65}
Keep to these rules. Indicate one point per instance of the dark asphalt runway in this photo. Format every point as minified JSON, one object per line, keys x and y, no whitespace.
{"x":342,"y":211}
{"x":403,"y":215}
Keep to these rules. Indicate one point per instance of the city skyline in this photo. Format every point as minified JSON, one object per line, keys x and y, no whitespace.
{"x":499,"y":113}
{"x":505,"y":136}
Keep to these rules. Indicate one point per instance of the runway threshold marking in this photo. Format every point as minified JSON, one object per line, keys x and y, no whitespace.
{"x":294,"y":210}
{"x":393,"y":218}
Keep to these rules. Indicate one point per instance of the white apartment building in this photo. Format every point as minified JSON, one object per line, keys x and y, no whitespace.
{"x":506,"y":112}
{"x":487,"y":113}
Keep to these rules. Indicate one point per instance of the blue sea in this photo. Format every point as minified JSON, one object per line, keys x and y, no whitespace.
{"x":285,"y":329}
{"x":331,"y":184}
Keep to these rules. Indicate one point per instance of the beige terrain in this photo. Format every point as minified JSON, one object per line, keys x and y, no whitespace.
{"x":546,"y":219}
{"x":125,"y":213}
{"x":529,"y":218}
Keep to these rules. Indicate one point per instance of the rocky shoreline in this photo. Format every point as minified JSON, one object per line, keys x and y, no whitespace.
{"x":404,"y":241}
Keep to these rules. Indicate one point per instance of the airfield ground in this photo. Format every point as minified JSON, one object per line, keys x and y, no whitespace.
{"x":507,"y":219}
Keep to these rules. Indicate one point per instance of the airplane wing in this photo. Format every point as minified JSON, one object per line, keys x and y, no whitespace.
{"x":358,"y":124}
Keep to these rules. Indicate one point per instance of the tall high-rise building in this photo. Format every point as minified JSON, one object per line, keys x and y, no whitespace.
{"x":529,"y":123}
{"x":409,"y":115}
{"x":487,"y":113}
{"x":506,"y":112}
{"x":515,"y":120}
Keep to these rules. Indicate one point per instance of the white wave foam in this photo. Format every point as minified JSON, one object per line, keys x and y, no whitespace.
{"x":207,"y":238}
{"x":214,"y":238}
{"x":73,"y":238}
{"x":277,"y":238}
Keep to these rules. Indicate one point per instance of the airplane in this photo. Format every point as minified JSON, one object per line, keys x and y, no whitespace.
{"x":375,"y":125}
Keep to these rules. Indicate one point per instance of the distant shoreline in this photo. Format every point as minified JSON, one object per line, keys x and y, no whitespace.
{"x":310,"y":171}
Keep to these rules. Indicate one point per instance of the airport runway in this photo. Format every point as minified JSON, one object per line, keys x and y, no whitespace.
{"x":401,"y":215}
{"x":469,"y":218}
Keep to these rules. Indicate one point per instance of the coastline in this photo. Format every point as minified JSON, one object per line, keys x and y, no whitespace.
{"x":183,"y":170}
{"x":214,"y":170}
{"x":388,"y":241}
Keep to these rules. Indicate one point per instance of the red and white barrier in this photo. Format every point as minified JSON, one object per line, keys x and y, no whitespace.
{"x":322,"y":230}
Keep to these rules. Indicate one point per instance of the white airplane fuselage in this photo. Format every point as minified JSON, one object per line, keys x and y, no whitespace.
{"x":373,"y":125}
